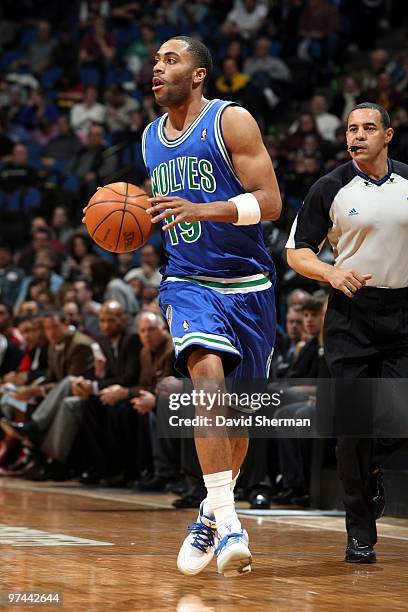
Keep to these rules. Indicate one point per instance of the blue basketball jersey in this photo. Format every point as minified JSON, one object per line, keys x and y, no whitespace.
{"x":197,"y":167}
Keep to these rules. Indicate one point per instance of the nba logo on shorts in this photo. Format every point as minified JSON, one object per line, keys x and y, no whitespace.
{"x":186,"y":325}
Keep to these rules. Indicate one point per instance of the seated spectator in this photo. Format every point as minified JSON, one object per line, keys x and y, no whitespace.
{"x":148,"y":272}
{"x":33,"y":363}
{"x":65,"y":53}
{"x":86,"y":113}
{"x":232,"y":84}
{"x":326,"y":123}
{"x":90,"y":164}
{"x":89,"y":307}
{"x":106,"y":286}
{"x":63,"y":146}
{"x":245,"y":19}
{"x":297,"y":134}
{"x":90,"y":9}
{"x":142,"y":48}
{"x":118,"y":108}
{"x":262,"y":62}
{"x":98,"y":46}
{"x":7,"y":327}
{"x":346,"y":99}
{"x":40,"y":52}
{"x":29,"y":308}
{"x":41,"y":240}
{"x":37,"y":112}
{"x":298,"y":182}
{"x":385,"y":94}
{"x":11,"y":277}
{"x":319,"y":23}
{"x":73,"y":316}
{"x":399,"y":142}
{"x":61,"y":227}
{"x":18,"y":172}
{"x":284,"y":354}
{"x":79,"y":245}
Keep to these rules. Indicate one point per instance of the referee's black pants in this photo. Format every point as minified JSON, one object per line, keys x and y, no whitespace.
{"x":365,"y":337}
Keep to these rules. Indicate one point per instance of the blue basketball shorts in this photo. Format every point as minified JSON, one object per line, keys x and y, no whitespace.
{"x":241,"y":326}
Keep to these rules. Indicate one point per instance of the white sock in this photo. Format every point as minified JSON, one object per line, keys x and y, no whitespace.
{"x":207,"y":510}
{"x":220,"y":498}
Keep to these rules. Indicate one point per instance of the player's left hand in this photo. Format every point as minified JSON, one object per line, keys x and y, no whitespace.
{"x":182,"y":209}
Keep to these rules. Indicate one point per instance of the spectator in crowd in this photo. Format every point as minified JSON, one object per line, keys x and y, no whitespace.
{"x":118,"y":108}
{"x":11,"y":277}
{"x":18,"y":173}
{"x":61,"y":227}
{"x":232,"y":84}
{"x":299,"y":130}
{"x":63,"y":146}
{"x":65,"y":53}
{"x":399,"y":143}
{"x":41,"y":240}
{"x":79,"y":246}
{"x":326,"y":122}
{"x":91,"y":164}
{"x":106,"y":286}
{"x":346,"y":99}
{"x":385,"y":94}
{"x":318,"y":27}
{"x":39,"y":53}
{"x":285,"y":352}
{"x":98,"y":45}
{"x":88,"y":112}
{"x":141,"y":49}
{"x":89,"y":307}
{"x":148,"y":272}
{"x":245,"y":19}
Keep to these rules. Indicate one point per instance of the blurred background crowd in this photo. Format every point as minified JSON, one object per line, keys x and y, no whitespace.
{"x":85,"y":356}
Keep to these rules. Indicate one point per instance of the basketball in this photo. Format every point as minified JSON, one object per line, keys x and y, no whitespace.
{"x":116,"y":217}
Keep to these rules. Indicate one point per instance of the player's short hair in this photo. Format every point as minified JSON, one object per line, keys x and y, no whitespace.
{"x":385,"y":118}
{"x":201,"y":55}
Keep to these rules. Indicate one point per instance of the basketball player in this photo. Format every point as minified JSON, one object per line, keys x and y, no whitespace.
{"x":361,"y":207}
{"x":213,"y":184}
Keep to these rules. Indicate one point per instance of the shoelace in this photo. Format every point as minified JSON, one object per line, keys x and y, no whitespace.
{"x":230,"y":538}
{"x":203,"y":536}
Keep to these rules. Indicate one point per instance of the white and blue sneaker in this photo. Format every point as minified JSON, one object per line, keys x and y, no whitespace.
{"x":233,"y":555}
{"x":197,"y":549}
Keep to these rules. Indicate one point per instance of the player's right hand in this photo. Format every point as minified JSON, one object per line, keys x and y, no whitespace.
{"x":348,"y":281}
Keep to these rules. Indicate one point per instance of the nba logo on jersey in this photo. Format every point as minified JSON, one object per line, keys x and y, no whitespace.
{"x":204,"y":134}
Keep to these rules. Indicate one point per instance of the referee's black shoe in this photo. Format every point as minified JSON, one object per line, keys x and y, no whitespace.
{"x":378,"y":493}
{"x":359,"y":553}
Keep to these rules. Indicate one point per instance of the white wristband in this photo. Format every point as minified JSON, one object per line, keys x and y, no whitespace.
{"x":249,"y":212}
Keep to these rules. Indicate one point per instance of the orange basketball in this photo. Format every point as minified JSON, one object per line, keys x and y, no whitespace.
{"x":116,"y":217}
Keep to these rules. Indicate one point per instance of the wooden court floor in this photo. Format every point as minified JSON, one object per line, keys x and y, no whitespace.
{"x":110,"y":550}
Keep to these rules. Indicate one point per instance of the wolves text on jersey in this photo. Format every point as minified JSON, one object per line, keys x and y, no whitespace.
{"x":183,"y":173}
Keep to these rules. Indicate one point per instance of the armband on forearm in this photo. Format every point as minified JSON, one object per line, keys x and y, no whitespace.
{"x":249,"y":211}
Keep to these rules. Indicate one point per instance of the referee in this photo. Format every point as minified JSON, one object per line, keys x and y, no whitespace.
{"x":361,"y":207}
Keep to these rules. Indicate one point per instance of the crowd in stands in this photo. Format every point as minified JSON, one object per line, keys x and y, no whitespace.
{"x":86,"y":360}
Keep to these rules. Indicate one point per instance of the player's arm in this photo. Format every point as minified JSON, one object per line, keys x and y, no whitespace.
{"x":251,"y":160}
{"x":254,"y":169}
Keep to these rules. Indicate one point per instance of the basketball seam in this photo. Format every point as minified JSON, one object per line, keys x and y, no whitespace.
{"x":109,"y":201}
{"x":138,"y":195}
{"x":103,"y":220}
{"x":139,"y":228}
{"x":123,"y":216}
